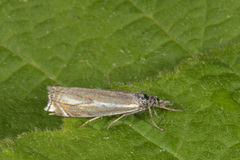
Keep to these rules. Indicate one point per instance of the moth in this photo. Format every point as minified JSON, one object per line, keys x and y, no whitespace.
{"x":96,"y":103}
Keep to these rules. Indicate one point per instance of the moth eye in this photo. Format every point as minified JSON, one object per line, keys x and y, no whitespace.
{"x":146,"y":96}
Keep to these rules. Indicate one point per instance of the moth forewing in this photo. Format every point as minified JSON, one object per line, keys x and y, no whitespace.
{"x":84,"y":102}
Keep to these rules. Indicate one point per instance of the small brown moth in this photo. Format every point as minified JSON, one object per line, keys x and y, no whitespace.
{"x":84,"y":102}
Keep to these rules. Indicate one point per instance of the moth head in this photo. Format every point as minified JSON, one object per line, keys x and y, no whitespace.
{"x":162,"y":103}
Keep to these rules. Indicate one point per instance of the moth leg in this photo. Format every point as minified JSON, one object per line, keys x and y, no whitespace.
{"x":157,"y":114}
{"x":116,"y":120}
{"x":90,"y":120}
{"x":150,"y":112}
{"x":170,"y":109}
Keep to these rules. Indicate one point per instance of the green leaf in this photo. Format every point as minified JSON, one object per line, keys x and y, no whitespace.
{"x":183,"y":51}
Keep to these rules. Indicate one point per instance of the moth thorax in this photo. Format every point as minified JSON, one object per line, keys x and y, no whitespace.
{"x":143,"y":99}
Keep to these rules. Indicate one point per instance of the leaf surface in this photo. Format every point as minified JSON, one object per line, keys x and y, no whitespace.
{"x":186,"y":52}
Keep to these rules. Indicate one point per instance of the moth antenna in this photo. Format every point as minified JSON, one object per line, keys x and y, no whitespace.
{"x":140,"y":89}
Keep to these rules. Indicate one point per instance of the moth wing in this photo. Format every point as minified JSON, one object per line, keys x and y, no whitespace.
{"x":82,"y":102}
